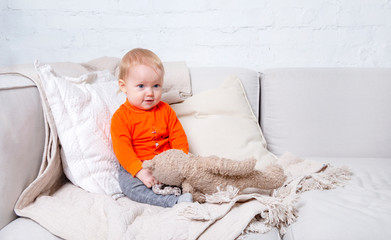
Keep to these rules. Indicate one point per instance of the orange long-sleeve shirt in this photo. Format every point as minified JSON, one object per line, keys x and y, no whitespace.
{"x":139,"y":135}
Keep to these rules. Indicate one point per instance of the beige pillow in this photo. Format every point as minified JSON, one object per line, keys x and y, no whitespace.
{"x":220,"y":122}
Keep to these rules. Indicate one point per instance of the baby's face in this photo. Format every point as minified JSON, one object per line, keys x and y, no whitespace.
{"x":143,"y":87}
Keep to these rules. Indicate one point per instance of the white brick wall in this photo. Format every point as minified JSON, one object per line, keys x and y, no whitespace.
{"x":256,"y":34}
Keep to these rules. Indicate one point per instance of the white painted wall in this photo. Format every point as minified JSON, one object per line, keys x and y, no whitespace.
{"x":256,"y":34}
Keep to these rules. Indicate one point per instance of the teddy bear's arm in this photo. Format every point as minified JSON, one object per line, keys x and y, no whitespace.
{"x":187,"y":188}
{"x":228,"y":167}
{"x":197,"y":195}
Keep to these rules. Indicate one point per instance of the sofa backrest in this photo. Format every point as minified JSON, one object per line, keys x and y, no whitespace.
{"x":22,"y":140}
{"x":327,"y":112}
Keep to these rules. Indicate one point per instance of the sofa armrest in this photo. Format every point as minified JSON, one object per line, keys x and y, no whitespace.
{"x":22,"y":140}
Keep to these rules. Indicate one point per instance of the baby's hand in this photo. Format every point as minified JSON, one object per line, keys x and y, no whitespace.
{"x":145,"y":176}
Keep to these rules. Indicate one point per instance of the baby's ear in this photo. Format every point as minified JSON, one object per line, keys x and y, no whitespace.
{"x":122,"y":85}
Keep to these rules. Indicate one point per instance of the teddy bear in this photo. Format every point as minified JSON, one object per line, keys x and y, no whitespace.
{"x":201,"y":175}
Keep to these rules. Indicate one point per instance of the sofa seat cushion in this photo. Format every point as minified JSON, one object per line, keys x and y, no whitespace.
{"x":360,"y":210}
{"x":24,"y":228}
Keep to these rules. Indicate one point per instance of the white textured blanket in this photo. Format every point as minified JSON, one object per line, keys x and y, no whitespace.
{"x":73,"y":213}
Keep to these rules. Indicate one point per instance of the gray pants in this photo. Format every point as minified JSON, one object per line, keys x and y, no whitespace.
{"x":134,"y":189}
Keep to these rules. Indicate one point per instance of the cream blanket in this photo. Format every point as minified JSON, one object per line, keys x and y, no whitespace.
{"x":72,"y":213}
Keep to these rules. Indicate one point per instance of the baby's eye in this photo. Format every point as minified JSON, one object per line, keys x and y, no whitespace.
{"x":156,"y":86}
{"x":140,"y":86}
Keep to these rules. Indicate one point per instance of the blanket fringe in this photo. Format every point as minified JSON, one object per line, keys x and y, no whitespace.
{"x":330,"y":178}
{"x":279,"y":213}
{"x":222,"y":196}
{"x":195,"y":211}
{"x":256,"y":226}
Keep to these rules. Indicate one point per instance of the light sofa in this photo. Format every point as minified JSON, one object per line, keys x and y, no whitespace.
{"x":339,"y":116}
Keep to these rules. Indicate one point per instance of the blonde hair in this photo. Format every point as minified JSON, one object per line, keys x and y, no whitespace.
{"x":140,"y":56}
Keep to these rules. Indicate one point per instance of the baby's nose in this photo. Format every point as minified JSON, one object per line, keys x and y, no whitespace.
{"x":149,"y":91}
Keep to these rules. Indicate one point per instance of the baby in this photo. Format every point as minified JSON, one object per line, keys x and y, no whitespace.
{"x":143,"y":127}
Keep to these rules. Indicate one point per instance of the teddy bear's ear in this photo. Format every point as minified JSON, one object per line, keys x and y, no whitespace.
{"x":149,"y":164}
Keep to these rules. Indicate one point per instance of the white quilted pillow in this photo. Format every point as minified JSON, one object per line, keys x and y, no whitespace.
{"x":220,"y":122}
{"x":82,"y":108}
